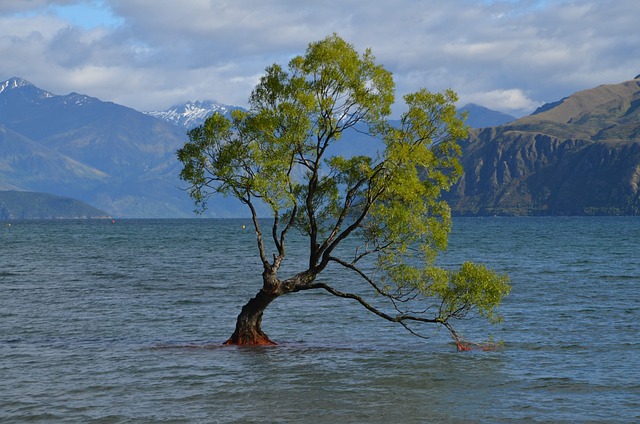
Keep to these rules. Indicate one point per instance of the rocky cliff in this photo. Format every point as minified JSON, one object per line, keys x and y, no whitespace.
{"x":578,"y":156}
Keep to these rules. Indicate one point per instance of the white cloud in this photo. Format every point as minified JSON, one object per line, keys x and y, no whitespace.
{"x":507,"y":55}
{"x":30,"y":6}
{"x":513,"y":100}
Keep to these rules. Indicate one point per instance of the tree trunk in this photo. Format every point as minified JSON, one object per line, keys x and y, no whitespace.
{"x":248,"y":326}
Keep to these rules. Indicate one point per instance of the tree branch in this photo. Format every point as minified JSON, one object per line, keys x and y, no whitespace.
{"x":401,"y":318}
{"x":371,"y":198}
{"x":256,"y":225}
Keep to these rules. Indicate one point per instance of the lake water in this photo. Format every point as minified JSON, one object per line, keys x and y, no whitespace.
{"x":111,"y":323}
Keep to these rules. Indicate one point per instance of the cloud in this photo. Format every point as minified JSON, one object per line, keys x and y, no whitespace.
{"x":508,"y":55}
{"x":30,"y":6}
{"x":513,"y":100}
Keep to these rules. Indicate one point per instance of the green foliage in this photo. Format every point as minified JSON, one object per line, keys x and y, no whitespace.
{"x":280,"y":152}
{"x":473,"y":288}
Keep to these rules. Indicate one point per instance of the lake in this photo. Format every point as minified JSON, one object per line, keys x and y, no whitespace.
{"x":106,"y":322}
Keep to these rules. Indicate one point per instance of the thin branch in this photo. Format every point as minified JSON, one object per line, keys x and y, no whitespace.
{"x":361,"y":273}
{"x":343,"y":214}
{"x":274,"y":234}
{"x":256,"y":225}
{"x":371,"y":198}
{"x":292,"y":220}
{"x":410,"y":330}
{"x":398,"y":318}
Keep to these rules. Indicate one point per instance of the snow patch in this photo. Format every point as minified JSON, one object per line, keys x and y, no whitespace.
{"x":191,"y":114}
{"x":13,"y":83}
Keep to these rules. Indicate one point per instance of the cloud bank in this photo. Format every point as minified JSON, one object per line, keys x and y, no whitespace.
{"x":507,"y":55}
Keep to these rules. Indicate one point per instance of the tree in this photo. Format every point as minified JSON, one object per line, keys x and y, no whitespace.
{"x":279,"y":155}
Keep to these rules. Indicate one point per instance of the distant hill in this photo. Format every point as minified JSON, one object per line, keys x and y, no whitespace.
{"x":577,"y":156}
{"x":480,"y":116}
{"x":191,"y":114}
{"x":580,"y":155}
{"x":105,"y":154}
{"x":29,"y":205}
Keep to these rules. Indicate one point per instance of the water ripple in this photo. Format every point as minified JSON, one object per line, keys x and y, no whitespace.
{"x":124,"y":323}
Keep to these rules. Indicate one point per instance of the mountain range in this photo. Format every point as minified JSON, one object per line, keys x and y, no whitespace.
{"x":576,"y":156}
{"x":192,"y":114}
{"x":110,"y":156}
{"x":480,"y":116}
{"x":580,"y":155}
{"x":32,"y":205}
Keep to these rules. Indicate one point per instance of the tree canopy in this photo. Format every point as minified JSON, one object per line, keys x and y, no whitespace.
{"x":281,"y":154}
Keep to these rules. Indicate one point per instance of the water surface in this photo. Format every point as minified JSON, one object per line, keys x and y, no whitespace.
{"x":123,"y":322}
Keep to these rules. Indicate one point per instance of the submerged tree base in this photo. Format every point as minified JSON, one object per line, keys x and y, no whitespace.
{"x":248,"y":330}
{"x":256,"y":340}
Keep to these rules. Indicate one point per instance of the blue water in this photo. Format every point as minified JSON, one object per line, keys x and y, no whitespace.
{"x":112,"y":323}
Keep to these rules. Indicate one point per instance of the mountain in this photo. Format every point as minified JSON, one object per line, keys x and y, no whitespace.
{"x":576,"y":156}
{"x":110,"y":156}
{"x":191,"y":114}
{"x":580,"y":155}
{"x":480,"y":116}
{"x":29,"y":205}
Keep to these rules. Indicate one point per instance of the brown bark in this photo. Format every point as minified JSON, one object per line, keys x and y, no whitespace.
{"x":248,"y":330}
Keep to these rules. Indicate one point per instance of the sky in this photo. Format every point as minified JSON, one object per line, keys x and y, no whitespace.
{"x":512,"y":56}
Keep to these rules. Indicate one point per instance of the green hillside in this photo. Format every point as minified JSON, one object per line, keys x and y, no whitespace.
{"x":578,"y":156}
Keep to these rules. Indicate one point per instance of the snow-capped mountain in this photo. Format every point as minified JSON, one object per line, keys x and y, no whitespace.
{"x":21,"y":87}
{"x":107,"y":155}
{"x":13,"y":83}
{"x":191,"y":114}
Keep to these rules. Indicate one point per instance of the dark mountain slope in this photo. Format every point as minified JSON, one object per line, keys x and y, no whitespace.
{"x":481,"y":117}
{"x":25,"y":164}
{"x":578,"y":156}
{"x":108,"y":155}
{"x":29,"y":205}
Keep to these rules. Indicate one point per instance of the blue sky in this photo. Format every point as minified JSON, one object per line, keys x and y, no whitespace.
{"x":87,"y":15}
{"x":509,"y":55}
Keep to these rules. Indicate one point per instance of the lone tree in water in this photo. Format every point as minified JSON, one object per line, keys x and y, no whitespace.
{"x":385,"y":206}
